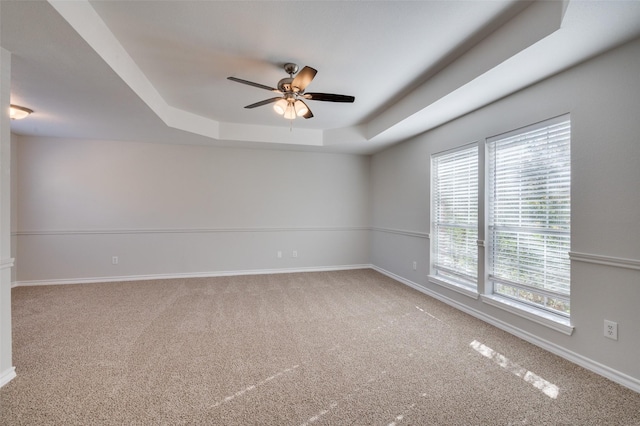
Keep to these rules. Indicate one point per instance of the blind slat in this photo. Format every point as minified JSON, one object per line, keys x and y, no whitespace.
{"x":455,"y":215}
{"x":529,"y":215}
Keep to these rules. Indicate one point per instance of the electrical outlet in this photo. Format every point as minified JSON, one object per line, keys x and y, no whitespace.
{"x":415,"y":265}
{"x":114,"y":260}
{"x":279,"y":254}
{"x":295,"y":253}
{"x":611,"y":329}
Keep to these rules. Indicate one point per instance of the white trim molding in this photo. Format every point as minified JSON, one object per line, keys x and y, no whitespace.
{"x":554,"y":322}
{"x":598,"y":368}
{"x":183,"y":230}
{"x":7,"y":375}
{"x":454,"y":287}
{"x":402,"y":232}
{"x":597,"y":259}
{"x":7,"y":263}
{"x":211,"y":274}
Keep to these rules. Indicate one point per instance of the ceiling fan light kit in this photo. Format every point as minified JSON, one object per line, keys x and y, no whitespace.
{"x":290,"y":108}
{"x":291,"y":105}
{"x":301,"y":108}
{"x":281,"y":106}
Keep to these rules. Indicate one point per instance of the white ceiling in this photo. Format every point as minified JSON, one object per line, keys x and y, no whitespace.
{"x":156,"y":70}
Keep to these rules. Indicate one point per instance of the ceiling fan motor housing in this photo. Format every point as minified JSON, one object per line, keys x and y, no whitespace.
{"x":284,"y":85}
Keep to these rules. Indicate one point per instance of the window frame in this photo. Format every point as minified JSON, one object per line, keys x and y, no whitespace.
{"x":464,"y":284}
{"x":554,"y":319}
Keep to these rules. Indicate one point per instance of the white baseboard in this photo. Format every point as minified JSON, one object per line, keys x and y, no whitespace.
{"x":93,"y":280}
{"x":598,"y":368}
{"x":7,"y":375}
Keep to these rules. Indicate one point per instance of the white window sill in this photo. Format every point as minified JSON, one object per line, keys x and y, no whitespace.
{"x":548,"y":319}
{"x":462,"y":289}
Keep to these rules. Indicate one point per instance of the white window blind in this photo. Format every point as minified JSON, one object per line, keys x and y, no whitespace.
{"x":529,"y":215}
{"x":455,"y":216}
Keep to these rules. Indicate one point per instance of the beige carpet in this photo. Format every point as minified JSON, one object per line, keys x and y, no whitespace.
{"x":330,"y":348}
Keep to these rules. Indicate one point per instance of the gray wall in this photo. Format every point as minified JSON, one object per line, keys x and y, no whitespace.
{"x":14,"y":203}
{"x":7,"y":372}
{"x":184,"y":210}
{"x":603,"y":98}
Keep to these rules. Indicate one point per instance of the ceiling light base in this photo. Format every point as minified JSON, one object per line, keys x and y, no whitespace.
{"x":290,"y":68}
{"x":18,"y":113}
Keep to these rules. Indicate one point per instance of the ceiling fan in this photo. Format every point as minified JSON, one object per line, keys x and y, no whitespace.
{"x":291,"y":103}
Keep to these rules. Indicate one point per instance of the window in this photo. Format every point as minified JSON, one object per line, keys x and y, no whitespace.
{"x":455,"y":217}
{"x":529,"y":178}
